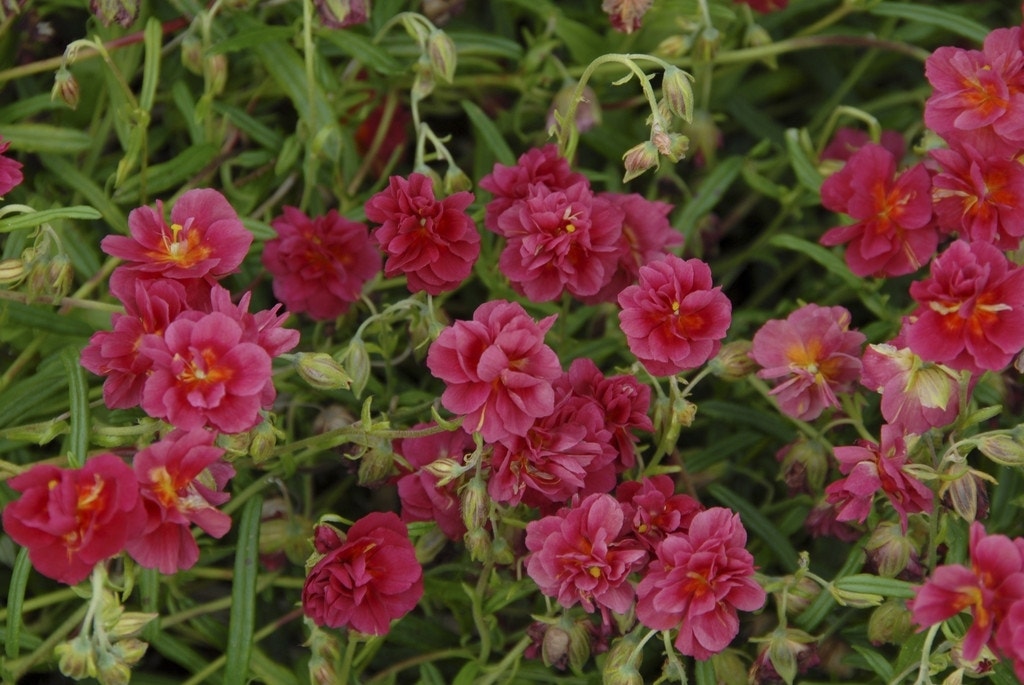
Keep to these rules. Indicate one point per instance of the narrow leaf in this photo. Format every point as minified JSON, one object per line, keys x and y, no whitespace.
{"x":933,"y":16}
{"x":806,"y":172}
{"x":489,"y":133}
{"x":15,"y":601}
{"x":877,"y":585}
{"x":153,"y":39}
{"x":46,"y":138}
{"x":243,"y":594}
{"x":32,"y":219}
{"x":707,"y":196}
{"x":78,"y":438}
{"x":169,"y":174}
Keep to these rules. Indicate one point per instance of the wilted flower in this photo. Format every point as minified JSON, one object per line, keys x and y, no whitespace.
{"x":626,"y":15}
{"x":124,"y":12}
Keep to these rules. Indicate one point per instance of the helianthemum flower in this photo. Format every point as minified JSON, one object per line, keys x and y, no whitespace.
{"x":319,"y":264}
{"x":813,"y":354}
{"x":423,"y":499}
{"x":674,"y":320}
{"x":698,"y":582}
{"x":71,"y":519}
{"x":654,"y":510}
{"x":970,"y":312}
{"x":626,"y":15}
{"x":10,"y":170}
{"x":497,"y":369}
{"x":433,"y":243}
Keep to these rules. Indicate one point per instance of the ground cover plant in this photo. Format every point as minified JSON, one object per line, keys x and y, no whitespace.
{"x":511,"y":342}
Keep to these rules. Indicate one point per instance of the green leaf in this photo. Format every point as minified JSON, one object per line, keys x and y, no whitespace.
{"x":255,"y":129}
{"x":153,"y":39}
{"x":876,"y":662}
{"x":866,"y":583}
{"x":181,"y":653}
{"x":365,"y":51}
{"x":243,"y":594}
{"x":252,"y":37}
{"x":489,"y":133}
{"x":18,"y":222}
{"x":167,"y":175}
{"x":74,"y":178}
{"x":15,"y":600}
{"x":78,"y":439}
{"x":38,"y":318}
{"x":806,"y":172}
{"x":755,"y":522}
{"x":933,"y":16}
{"x":46,"y":138}
{"x":711,"y":190}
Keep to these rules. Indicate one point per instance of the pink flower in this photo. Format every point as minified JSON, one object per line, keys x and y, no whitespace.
{"x":765,"y":6}
{"x":319,"y":265}
{"x":181,"y":479}
{"x":626,"y":15}
{"x":653,"y":510}
{"x":10,"y":170}
{"x":697,"y":583}
{"x":978,"y":96}
{"x":814,"y":353}
{"x":434,"y":243}
{"x":423,"y":499}
{"x":578,"y":556}
{"x":871,"y":468}
{"x":509,"y":184}
{"x":993,"y":583}
{"x":674,"y":320}
{"x":72,"y":519}
{"x":205,"y":374}
{"x":980,"y":194}
{"x":367,"y":580}
{"x":847,"y":141}
{"x":205,"y":238}
{"x":1010,"y":637}
{"x":497,"y":370}
{"x":561,"y":241}
{"x":970,"y":312}
{"x":893,"y":234}
{"x":116,"y":353}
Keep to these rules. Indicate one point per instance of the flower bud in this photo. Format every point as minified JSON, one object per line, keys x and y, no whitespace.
{"x":554,"y":647}
{"x":456,"y":180}
{"x":804,"y":466}
{"x":964,"y":492}
{"x":733,"y":361}
{"x":322,"y":372}
{"x":128,"y":624}
{"x":478,"y":543}
{"x":192,"y":54}
{"x":263,"y":440}
{"x":440,"y":12}
{"x":425,"y":79}
{"x":376,"y":464}
{"x":476,"y":506}
{"x":124,"y":12}
{"x":331,"y":418}
{"x":672,"y":145}
{"x":65,"y":88}
{"x":357,"y":363}
{"x":12,"y":272}
{"x":588,"y":111}
{"x":799,"y":594}
{"x":76,"y":658}
{"x":890,"y":623}
{"x":429,"y":545}
{"x":1001,"y":448}
{"x":442,"y":54}
{"x":639,"y":159}
{"x":888,"y":549}
{"x":620,"y":666}
{"x":216,"y":71}
{"x":729,"y":667}
{"x":112,"y":671}
{"x":339,"y":14}
{"x":755,"y":37}
{"x":325,"y":653}
{"x":678,"y":92}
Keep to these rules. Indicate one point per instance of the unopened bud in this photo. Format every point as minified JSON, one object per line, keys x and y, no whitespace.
{"x":889,"y":549}
{"x":478,"y":543}
{"x":263,"y":441}
{"x":76,"y":658}
{"x":639,"y":159}
{"x":733,"y":361}
{"x":620,"y":666}
{"x":112,"y":671}
{"x":65,"y":88}
{"x":442,"y":55}
{"x":192,"y":54}
{"x":1002,"y":449}
{"x":475,"y":504}
{"x":588,"y":111}
{"x":331,"y":418}
{"x":677,"y":90}
{"x":456,"y":180}
{"x":672,"y":145}
{"x":799,"y":594}
{"x":124,"y":12}
{"x":891,"y":622}
{"x":128,"y":624}
{"x":216,"y":70}
{"x":424,"y":81}
{"x":357,"y":363}
{"x":322,"y":371}
{"x":554,"y":647}
{"x":130,"y":650}
{"x":376,"y":464}
{"x":339,"y":14}
{"x":12,"y":271}
{"x":429,"y":545}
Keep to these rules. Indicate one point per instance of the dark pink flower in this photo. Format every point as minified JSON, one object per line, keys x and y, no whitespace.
{"x":509,"y":184}
{"x":181,"y":479}
{"x":1010,"y":637}
{"x":847,"y":141}
{"x":205,"y":374}
{"x":497,"y":370}
{"x":579,"y":556}
{"x":116,"y":353}
{"x":894,"y":233}
{"x":993,"y":583}
{"x":877,"y":468}
{"x":970,"y":312}
{"x":339,"y":14}
{"x":814,"y":354}
{"x":561,"y":240}
{"x":626,"y":15}
{"x":319,"y":265}
{"x":10,"y":170}
{"x":423,"y":499}
{"x":71,"y":519}
{"x":204,"y":239}
{"x":980,"y":194}
{"x":434,"y":243}
{"x":367,"y":581}
{"x":674,"y":320}
{"x":821,"y":521}
{"x":765,"y":6}
{"x":698,"y":582}
{"x":653,"y":509}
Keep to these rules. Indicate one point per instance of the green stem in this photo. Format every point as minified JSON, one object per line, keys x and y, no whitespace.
{"x":503,"y":667}
{"x":346,"y":664}
{"x":20,"y":667}
{"x":388,"y":673}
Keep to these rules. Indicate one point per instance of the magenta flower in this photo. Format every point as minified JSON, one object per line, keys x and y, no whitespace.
{"x":205,"y":238}
{"x":434,"y":243}
{"x":813,"y":353}
{"x":872,"y":468}
{"x":993,"y":583}
{"x":980,"y":194}
{"x":698,"y":582}
{"x":579,"y":556}
{"x":366,"y":581}
{"x":970,"y":312}
{"x":894,"y":233}
{"x":72,"y":519}
{"x":674,"y":320}
{"x":560,"y":241}
{"x":509,"y":184}
{"x":10,"y":170}
{"x":1010,"y":637}
{"x":653,"y":510}
{"x":319,"y":265}
{"x":181,"y":479}
{"x":847,"y":141}
{"x":423,"y":499}
{"x":205,"y":374}
{"x":497,"y":370}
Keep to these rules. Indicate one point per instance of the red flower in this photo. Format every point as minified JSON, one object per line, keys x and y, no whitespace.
{"x":870,"y":469}
{"x":970,"y":312}
{"x":497,"y":369}
{"x":421,"y":496}
{"x":1010,"y":637}
{"x":10,"y":170}
{"x":509,"y":184}
{"x":893,"y":234}
{"x":205,"y":238}
{"x":578,"y":555}
{"x":765,"y":5}
{"x":654,"y":511}
{"x":367,"y":580}
{"x":993,"y":583}
{"x":319,"y":265}
{"x":180,"y":479}
{"x":674,"y":320}
{"x":698,"y":581}
{"x":980,"y":195}
{"x":434,"y":243}
{"x":814,"y":353}
{"x":626,"y":15}
{"x":71,"y":519}
{"x":205,"y":374}
{"x":561,"y":241}
{"x":847,"y":141}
